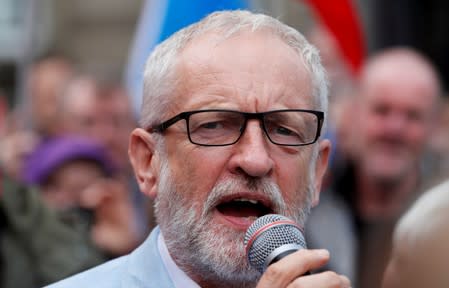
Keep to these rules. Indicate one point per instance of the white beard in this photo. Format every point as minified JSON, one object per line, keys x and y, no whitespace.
{"x":214,"y":252}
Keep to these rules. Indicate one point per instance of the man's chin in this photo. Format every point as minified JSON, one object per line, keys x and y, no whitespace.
{"x":390,"y":173}
{"x":221,"y":231}
{"x":214,"y":234}
{"x":221,"y":250}
{"x":388,"y":166}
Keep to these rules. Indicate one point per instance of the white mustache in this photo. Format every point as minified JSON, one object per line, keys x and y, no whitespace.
{"x":229,"y":187}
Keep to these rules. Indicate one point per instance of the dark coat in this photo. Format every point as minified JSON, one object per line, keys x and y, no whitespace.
{"x":36,"y":246}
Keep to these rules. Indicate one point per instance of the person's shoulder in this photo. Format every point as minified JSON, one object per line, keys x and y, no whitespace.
{"x":110,"y":274}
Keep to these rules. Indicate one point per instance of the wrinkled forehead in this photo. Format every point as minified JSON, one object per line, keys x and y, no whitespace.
{"x":251,"y":61}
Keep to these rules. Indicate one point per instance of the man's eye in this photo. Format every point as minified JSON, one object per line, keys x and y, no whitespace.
{"x":284,"y":131}
{"x":211,"y":125}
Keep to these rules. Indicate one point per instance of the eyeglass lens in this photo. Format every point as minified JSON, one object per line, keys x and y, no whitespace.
{"x":226,"y":127}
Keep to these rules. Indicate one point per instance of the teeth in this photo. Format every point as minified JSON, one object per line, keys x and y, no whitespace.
{"x":246,"y":200}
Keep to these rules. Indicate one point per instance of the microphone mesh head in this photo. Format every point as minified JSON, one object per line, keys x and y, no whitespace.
{"x":264,"y":236}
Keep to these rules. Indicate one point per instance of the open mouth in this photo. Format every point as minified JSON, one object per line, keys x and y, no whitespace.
{"x":243,"y":211}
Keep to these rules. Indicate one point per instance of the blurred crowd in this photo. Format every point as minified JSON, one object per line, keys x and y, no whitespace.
{"x":69,"y":200}
{"x":64,"y":166}
{"x":389,"y":126}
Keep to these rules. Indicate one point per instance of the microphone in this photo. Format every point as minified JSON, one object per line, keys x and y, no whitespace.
{"x":270,"y":238}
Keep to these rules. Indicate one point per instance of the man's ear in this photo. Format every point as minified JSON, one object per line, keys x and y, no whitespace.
{"x":320,"y":168}
{"x":145,"y":161}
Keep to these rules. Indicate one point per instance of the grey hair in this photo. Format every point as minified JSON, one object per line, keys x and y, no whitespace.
{"x":160,"y":79}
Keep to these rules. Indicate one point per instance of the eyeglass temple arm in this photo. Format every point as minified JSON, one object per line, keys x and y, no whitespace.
{"x":159,"y":128}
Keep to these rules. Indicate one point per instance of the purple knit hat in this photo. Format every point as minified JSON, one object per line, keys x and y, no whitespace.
{"x":52,"y":153}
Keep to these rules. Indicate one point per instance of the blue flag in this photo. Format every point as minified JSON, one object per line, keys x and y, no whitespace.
{"x":159,"y":19}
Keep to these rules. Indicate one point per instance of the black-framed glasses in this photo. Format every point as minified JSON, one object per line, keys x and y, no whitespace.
{"x":216,"y":127}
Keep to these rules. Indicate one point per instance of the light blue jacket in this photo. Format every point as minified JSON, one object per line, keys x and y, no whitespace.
{"x":143,"y":268}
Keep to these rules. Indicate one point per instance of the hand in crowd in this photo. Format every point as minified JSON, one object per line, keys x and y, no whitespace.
{"x":13,"y":148}
{"x":288,"y":272}
{"x":113,"y":229}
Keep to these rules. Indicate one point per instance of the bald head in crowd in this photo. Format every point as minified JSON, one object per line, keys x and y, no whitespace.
{"x":399,"y":91}
{"x":421,"y":244}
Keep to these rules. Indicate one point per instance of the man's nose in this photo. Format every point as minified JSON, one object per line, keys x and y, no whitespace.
{"x":396,"y":123}
{"x":252,"y":154}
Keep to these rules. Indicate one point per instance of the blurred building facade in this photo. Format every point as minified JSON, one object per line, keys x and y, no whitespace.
{"x":95,"y":34}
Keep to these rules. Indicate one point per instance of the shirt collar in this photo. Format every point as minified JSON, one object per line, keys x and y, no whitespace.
{"x":179,"y":277}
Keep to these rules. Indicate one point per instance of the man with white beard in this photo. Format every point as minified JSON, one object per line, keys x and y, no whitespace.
{"x":232,"y":112}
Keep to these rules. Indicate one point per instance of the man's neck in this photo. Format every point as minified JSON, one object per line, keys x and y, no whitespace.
{"x":384,"y":199}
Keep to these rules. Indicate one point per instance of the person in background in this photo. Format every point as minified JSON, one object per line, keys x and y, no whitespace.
{"x":231,"y":118}
{"x":340,"y":95}
{"x":116,"y":109}
{"x":36,"y":246}
{"x":392,"y":117}
{"x":420,"y":254}
{"x":36,"y":118}
{"x":102,"y":111}
{"x":64,"y":166}
{"x":77,"y":107}
{"x":437,"y":158}
{"x":77,"y":179}
{"x":47,"y":78}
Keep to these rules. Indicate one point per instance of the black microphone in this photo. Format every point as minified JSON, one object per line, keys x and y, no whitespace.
{"x":270,"y":238}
